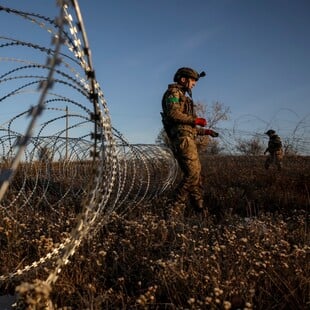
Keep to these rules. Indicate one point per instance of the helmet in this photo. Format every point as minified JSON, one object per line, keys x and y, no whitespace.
{"x":270,"y":132}
{"x":188,"y":73}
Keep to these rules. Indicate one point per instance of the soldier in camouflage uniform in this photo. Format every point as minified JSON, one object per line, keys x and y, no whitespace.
{"x":274,"y":149}
{"x":180,"y":123}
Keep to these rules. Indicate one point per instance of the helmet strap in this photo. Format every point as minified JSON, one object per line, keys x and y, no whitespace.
{"x":189,"y":91}
{"x":185,"y":85}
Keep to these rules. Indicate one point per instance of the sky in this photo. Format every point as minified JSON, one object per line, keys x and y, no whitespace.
{"x":255,"y":54}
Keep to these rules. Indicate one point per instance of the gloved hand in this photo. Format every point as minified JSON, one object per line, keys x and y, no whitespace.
{"x":200,"y":121}
{"x":211,"y":133}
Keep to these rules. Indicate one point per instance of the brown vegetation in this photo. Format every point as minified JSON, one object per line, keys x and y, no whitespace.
{"x":251,"y":252}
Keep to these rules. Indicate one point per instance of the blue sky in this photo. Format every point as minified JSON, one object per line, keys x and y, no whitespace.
{"x":255,"y":53}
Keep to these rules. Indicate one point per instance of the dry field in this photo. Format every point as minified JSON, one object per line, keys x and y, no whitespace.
{"x":250,"y":252}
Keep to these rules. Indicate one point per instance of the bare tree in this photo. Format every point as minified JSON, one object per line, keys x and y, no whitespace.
{"x":252,"y":147}
{"x":288,"y":148}
{"x":214,"y":114}
{"x":44,"y":154}
{"x":213,"y":147}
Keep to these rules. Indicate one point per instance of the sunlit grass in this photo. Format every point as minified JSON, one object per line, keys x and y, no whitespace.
{"x":251,"y":252}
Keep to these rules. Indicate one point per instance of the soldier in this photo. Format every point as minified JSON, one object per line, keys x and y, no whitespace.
{"x":274,"y":149}
{"x":180,"y":123}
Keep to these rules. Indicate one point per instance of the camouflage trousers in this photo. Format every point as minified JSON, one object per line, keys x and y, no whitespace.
{"x":274,"y":158}
{"x":185,"y":151}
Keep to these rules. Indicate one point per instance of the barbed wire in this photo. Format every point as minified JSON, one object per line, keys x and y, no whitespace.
{"x":57,"y":141}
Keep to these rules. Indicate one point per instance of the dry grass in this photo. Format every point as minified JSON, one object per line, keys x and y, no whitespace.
{"x":252,"y":252}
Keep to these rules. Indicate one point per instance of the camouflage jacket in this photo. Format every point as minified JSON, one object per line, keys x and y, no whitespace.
{"x":274,"y":144}
{"x":178,"y":113}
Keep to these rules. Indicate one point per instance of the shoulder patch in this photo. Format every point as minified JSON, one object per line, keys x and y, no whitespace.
{"x":172,"y":100}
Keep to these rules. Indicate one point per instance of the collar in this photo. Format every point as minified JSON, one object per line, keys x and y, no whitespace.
{"x":182,"y":88}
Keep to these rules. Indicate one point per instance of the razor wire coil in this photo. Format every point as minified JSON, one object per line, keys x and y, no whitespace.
{"x":104,"y":171}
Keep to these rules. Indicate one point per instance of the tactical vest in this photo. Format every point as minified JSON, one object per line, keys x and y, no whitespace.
{"x":275,"y":143}
{"x":171,"y":126}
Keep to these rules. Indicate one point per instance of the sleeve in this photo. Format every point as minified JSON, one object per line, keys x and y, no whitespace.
{"x":201,"y":131}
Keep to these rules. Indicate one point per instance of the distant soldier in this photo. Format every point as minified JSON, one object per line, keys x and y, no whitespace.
{"x":180,"y":123}
{"x":274,"y":149}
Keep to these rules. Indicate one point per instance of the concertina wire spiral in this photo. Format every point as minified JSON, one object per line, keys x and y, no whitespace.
{"x":57,"y":139}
